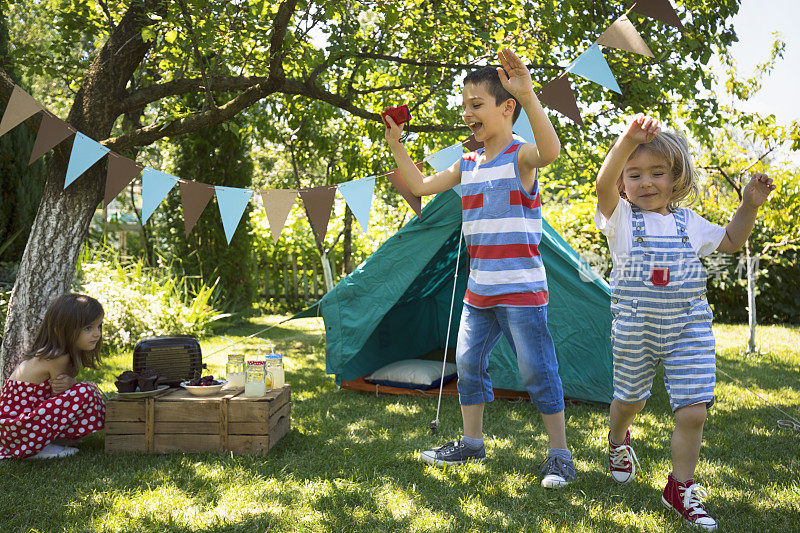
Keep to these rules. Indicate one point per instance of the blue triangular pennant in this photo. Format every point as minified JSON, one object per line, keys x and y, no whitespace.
{"x":592,"y":65}
{"x":358,"y":195}
{"x":232,"y":201}
{"x":442,"y":159}
{"x":155,"y":187}
{"x":522,"y":127}
{"x":85,"y":153}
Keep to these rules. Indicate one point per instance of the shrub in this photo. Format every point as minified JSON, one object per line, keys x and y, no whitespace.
{"x":141,"y":302}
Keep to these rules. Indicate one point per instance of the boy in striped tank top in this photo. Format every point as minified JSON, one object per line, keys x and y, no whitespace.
{"x":658,"y":289}
{"x":502,"y":225}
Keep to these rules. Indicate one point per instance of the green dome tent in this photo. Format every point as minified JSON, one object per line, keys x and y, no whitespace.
{"x":396,"y":304}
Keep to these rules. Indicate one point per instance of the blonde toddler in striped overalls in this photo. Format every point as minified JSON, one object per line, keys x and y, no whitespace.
{"x":658,"y":288}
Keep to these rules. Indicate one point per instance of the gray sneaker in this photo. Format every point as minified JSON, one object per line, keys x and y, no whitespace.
{"x":557,"y":472}
{"x":453,"y":453}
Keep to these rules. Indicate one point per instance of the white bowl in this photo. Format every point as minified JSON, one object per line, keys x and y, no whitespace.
{"x":204,"y":390}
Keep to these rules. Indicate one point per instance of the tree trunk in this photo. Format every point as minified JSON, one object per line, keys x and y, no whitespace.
{"x":48,"y":264}
{"x":62,"y":221}
{"x":326,"y":272}
{"x":751,"y":299}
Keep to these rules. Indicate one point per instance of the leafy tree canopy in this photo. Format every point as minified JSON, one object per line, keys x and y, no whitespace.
{"x":356,"y":57}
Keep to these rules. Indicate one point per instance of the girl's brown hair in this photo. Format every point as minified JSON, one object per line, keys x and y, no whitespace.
{"x":63,"y":322}
{"x":674,"y":148}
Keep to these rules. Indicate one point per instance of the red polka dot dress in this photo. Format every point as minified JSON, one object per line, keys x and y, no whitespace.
{"x":31,"y":417}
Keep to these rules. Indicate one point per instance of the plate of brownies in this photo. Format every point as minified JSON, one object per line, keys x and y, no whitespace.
{"x":139,"y":384}
{"x":205,"y":386}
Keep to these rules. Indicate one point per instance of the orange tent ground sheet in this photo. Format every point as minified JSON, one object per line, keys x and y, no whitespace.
{"x":449,"y":389}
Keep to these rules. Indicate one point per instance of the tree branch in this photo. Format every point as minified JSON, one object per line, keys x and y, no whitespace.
{"x":784,"y":242}
{"x":252,"y":93}
{"x":724,"y":174}
{"x":314,"y":92}
{"x":200,"y":59}
{"x":149,"y":134}
{"x":153,"y":93}
{"x":104,"y":6}
{"x":438,"y":64}
{"x":279,"y":28}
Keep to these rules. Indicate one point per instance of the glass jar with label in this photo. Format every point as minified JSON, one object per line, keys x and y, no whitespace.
{"x":275,"y":367}
{"x":255,"y":383}
{"x":234,"y":370}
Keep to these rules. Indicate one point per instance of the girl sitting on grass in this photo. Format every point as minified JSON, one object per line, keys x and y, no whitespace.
{"x":41,"y":403}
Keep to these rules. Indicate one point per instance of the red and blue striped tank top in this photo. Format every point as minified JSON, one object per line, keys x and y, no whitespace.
{"x":502,"y":229}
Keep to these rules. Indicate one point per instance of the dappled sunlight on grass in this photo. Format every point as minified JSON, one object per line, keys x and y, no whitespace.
{"x":350,"y":462}
{"x":404,"y":410}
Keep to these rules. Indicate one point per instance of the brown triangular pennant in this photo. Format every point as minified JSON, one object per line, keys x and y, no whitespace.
{"x":194,"y":198}
{"x":400,"y":184}
{"x":623,"y":36}
{"x":658,"y":9}
{"x":52,"y":131}
{"x":277,"y":204}
{"x":319,"y":204}
{"x":558,"y":95}
{"x":471,"y":144}
{"x":20,"y":106}
{"x":121,"y":172}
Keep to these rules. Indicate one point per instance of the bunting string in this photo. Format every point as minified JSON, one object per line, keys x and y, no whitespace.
{"x":358,"y":194}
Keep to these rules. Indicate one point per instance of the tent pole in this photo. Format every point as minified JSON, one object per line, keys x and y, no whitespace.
{"x":434,"y":425}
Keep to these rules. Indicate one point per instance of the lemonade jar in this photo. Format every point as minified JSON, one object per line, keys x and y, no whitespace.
{"x":275,"y":367}
{"x":235,"y":370}
{"x":255,"y":384}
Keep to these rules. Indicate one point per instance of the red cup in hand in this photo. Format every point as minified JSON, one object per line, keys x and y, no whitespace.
{"x":399,"y":114}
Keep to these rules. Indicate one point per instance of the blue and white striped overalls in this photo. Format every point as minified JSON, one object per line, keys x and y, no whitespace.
{"x":661,"y":316}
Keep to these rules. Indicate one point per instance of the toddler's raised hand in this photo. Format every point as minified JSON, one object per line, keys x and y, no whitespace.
{"x":643,"y":129}
{"x":758,"y":189}
{"x":514,"y":74}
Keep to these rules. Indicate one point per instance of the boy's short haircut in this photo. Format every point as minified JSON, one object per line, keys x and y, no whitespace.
{"x":489,"y":77}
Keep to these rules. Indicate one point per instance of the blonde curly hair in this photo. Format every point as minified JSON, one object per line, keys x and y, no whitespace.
{"x":674,"y":148}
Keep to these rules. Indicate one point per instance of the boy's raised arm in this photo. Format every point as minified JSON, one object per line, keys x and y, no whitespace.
{"x":516,"y":79}
{"x":416,"y":181}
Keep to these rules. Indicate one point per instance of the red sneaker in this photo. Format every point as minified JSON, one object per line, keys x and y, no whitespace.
{"x":621,"y":459}
{"x":684,"y":498}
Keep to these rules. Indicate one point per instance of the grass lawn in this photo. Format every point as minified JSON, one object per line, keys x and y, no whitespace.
{"x":350,"y":461}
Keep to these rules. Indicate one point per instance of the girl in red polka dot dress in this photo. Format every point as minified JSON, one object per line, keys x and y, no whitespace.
{"x":41,"y":404}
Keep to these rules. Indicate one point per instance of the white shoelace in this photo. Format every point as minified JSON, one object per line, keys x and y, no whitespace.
{"x":691,"y":499}
{"x":620,"y":456}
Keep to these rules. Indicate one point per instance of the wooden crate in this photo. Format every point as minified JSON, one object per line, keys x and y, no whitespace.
{"x":178,"y":421}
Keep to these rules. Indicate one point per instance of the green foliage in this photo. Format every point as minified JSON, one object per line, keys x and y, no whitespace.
{"x":378,"y":53}
{"x":20,"y":185}
{"x":141,"y":302}
{"x":216,"y":155}
{"x":749,"y":143}
{"x":575,"y":223}
{"x":775,"y":241}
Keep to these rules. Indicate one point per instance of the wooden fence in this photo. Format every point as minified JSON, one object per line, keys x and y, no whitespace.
{"x":295,"y":281}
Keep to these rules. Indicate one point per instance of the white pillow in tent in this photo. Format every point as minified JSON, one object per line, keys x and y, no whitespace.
{"x":412,"y":374}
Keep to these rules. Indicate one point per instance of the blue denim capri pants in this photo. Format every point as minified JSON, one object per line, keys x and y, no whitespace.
{"x":526,"y":330}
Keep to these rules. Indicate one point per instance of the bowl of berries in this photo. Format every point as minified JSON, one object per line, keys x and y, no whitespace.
{"x":205,"y":386}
